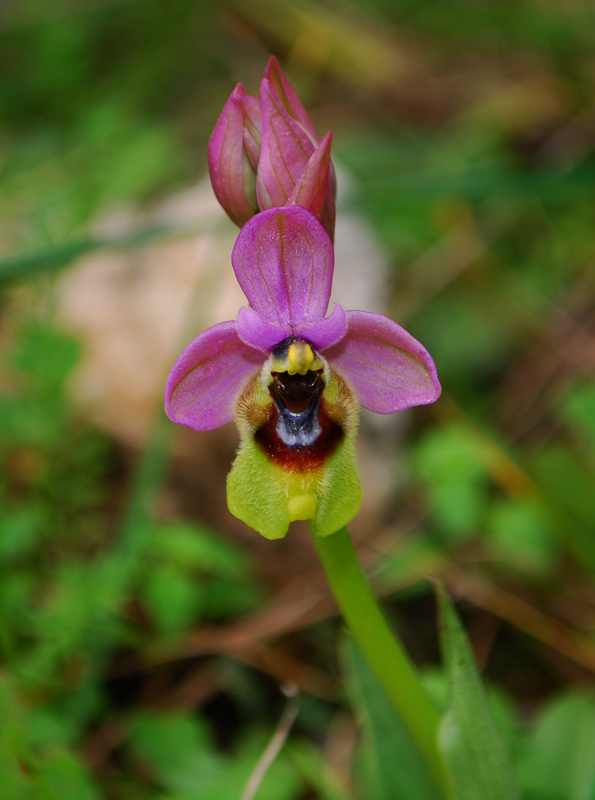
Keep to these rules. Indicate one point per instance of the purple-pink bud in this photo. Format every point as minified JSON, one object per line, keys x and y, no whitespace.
{"x":287,"y":96}
{"x":266,"y":154}
{"x":234,"y":152}
{"x":285,"y":152}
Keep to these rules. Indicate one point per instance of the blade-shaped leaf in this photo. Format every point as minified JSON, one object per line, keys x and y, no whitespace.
{"x":474,"y":753}
{"x":397,"y":768}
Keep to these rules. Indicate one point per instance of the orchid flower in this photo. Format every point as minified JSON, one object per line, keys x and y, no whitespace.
{"x":293,"y":378}
{"x":266,"y":153}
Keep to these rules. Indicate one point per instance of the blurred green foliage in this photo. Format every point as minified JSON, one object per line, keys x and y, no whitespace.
{"x":68,"y":577}
{"x":468,"y":132}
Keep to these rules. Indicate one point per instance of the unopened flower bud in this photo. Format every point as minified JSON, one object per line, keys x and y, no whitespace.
{"x":234,"y":153}
{"x":266,"y":154}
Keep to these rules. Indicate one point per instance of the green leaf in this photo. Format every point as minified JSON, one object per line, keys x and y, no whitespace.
{"x":65,"y":719}
{"x":559,"y":762}
{"x":172,"y":598}
{"x":566,"y":481}
{"x":395,"y":765}
{"x":458,"y":506}
{"x":568,"y":486}
{"x":578,"y":410}
{"x":521,"y":533}
{"x":46,"y":728}
{"x":224,"y":599}
{"x":179,"y":754}
{"x":62,"y":776}
{"x":46,"y":356}
{"x":473,"y":751}
{"x":13,"y":783}
{"x":177,"y":750}
{"x":282,"y":781}
{"x":448,"y":461}
{"x":449,"y":455}
{"x":193,"y":546}
{"x":20,"y":527}
{"x":310,"y":762}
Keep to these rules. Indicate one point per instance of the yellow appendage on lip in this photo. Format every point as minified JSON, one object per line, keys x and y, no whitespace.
{"x":300,"y":358}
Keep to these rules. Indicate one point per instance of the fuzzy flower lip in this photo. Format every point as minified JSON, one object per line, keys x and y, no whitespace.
{"x":284,"y":260}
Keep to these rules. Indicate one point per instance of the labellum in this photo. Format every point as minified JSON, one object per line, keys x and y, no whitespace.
{"x":297,"y":421}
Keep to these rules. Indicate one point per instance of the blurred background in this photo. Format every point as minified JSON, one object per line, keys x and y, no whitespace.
{"x":146,"y":635}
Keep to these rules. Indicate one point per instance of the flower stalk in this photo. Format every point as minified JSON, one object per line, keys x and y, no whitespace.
{"x":381,"y":648}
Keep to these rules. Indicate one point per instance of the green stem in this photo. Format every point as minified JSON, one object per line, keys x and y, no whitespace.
{"x":382,"y":650}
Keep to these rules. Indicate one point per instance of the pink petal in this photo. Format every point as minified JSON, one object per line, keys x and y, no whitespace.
{"x":288,"y":96}
{"x":283,"y":260}
{"x":227,"y":153}
{"x":325,"y":332}
{"x":285,"y":152}
{"x":389,"y":369}
{"x":207,"y":377}
{"x":257,"y":332}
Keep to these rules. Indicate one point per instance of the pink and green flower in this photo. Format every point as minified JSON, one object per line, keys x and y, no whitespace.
{"x":293,"y":378}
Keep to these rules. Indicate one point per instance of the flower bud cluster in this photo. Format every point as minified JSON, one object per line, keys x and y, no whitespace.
{"x":265,"y":153}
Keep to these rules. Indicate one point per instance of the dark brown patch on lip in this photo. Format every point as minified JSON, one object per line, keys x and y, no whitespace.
{"x":299,"y":434}
{"x":297,"y":392}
